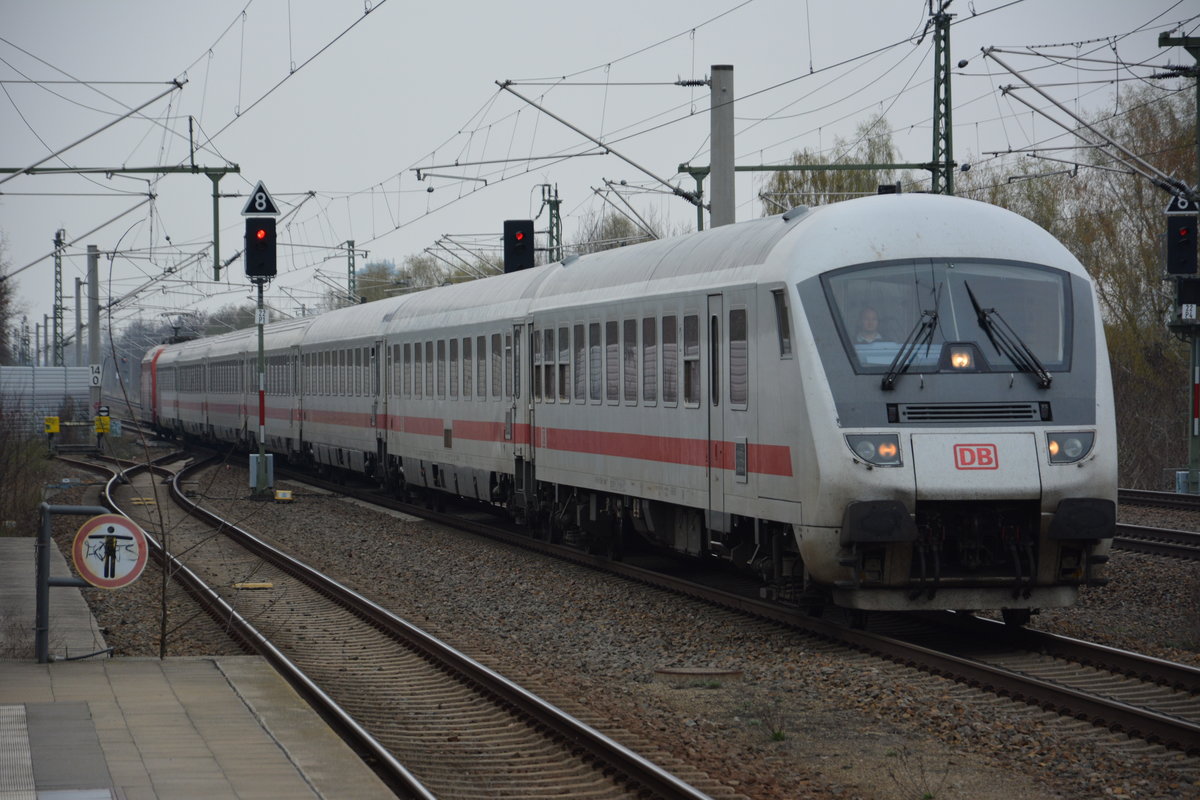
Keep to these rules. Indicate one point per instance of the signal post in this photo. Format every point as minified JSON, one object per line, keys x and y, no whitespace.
{"x":1180,"y":250}
{"x":1181,"y":266}
{"x":260,"y":258}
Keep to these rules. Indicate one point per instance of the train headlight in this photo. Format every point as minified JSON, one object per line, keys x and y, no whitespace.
{"x":1069,"y":447}
{"x":961,"y":357}
{"x":881,"y":449}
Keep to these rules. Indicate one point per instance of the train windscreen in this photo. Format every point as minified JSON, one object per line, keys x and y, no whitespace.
{"x":927,"y":311}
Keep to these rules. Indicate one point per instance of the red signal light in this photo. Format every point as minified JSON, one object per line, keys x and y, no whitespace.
{"x":1181,"y":244}
{"x":518,"y":244}
{"x":260,"y":248}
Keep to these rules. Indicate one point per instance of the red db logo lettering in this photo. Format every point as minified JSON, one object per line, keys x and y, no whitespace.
{"x":976,"y":456}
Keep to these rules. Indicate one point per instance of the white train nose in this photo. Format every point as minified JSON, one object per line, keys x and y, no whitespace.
{"x":976,"y":466}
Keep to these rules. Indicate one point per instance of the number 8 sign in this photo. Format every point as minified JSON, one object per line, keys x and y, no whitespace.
{"x":260,"y":203}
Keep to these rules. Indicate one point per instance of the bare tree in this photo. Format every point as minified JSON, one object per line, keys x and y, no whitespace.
{"x":7,"y":311}
{"x":872,"y":144}
{"x":1111,"y":220}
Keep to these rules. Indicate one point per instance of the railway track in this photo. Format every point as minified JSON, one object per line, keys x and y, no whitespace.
{"x":1187,"y":502}
{"x":430,"y":720}
{"x":1165,"y":542}
{"x":1158,"y":541}
{"x":1142,"y":697}
{"x":1137,"y":695}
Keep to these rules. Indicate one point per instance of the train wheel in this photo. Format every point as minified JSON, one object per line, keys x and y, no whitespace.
{"x":1016,"y":617}
{"x":615,"y":540}
{"x":614,"y":550}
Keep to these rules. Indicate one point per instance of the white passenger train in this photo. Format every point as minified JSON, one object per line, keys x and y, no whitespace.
{"x":896,"y":402}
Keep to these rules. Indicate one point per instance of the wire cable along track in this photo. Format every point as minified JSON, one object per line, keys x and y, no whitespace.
{"x":431,"y":721}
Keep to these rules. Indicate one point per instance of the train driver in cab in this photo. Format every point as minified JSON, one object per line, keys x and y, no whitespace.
{"x":868,"y":327}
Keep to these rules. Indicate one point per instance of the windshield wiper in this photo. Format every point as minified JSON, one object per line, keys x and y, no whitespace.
{"x":1008,"y":343}
{"x":921,"y":334}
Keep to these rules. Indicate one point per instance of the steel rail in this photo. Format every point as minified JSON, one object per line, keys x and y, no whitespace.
{"x":635,"y":768}
{"x":385,"y":765}
{"x":1101,"y":711}
{"x":1158,"y":541}
{"x":1159,"y":499}
{"x":1100,"y":656}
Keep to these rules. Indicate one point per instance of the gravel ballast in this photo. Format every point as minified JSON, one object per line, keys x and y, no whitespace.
{"x":792,"y":717}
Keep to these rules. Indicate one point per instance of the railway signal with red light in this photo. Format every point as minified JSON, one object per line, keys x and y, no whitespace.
{"x":518,"y":244}
{"x":1181,"y":244}
{"x":260,"y":247}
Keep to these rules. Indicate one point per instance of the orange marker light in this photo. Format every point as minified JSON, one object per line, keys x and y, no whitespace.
{"x":887,"y":450}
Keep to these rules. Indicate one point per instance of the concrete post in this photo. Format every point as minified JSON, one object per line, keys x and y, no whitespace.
{"x":94,"y":316}
{"x":724,"y":202}
{"x":79,"y":323}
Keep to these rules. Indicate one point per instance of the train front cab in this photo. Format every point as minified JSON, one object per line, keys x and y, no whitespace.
{"x":977,"y":449}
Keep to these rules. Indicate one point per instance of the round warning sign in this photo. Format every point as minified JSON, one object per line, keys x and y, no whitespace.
{"x":110,"y":551}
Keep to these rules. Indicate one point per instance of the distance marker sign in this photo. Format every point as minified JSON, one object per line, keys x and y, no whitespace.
{"x":110,"y":551}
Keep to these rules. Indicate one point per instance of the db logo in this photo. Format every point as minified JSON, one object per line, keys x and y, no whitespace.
{"x":976,"y":456}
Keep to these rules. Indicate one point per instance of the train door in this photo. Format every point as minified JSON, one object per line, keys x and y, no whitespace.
{"x":248,"y":388}
{"x":519,"y":423}
{"x":379,"y":412}
{"x":177,"y":374}
{"x":206,"y":428}
{"x":293,"y":388}
{"x":303,"y":379}
{"x":716,"y":415}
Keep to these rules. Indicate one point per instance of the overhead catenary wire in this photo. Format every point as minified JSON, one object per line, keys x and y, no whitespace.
{"x":399,"y":205}
{"x":1143,"y":167}
{"x":83,"y":139}
{"x":643,"y":131}
{"x":297,"y":69}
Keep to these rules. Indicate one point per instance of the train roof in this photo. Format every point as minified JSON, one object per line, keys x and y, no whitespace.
{"x":785,"y":248}
{"x":688,"y":262}
{"x":803,"y":243}
{"x":509,"y":295}
{"x":506,"y":295}
{"x":907,"y":226}
{"x":353,"y":322}
{"x":193,"y":348}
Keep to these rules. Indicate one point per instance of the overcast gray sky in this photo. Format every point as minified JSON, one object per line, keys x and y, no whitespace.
{"x":314,"y":96}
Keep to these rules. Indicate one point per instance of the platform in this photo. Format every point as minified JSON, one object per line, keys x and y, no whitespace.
{"x":136,"y":729}
{"x":73,"y":629}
